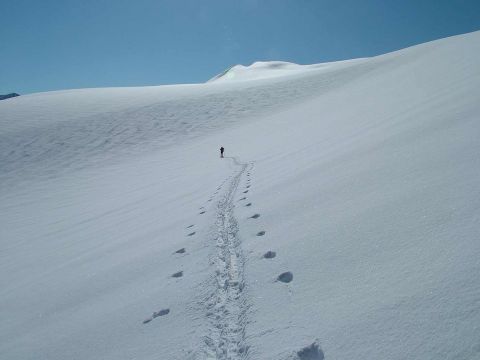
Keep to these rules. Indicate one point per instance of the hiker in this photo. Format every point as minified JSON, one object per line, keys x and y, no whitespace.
{"x":221,"y":151}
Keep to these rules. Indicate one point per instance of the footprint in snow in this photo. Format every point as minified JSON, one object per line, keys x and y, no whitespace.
{"x":248,"y":186}
{"x":269,"y":254}
{"x":244,"y":198}
{"x":202,"y":212}
{"x":156,"y":314}
{"x":190,"y":226}
{"x":249,"y":204}
{"x":180,"y":251}
{"x":246,"y":191}
{"x":256,"y":216}
{"x":178,"y":274}
{"x":261,"y":233}
{"x":312,"y":352}
{"x":285,"y":277}
{"x":192,"y":233}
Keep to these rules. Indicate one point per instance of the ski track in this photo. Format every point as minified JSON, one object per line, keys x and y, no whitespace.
{"x":227,"y":303}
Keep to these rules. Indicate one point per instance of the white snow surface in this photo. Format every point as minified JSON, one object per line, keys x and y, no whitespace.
{"x":365,"y":175}
{"x":272,"y":69}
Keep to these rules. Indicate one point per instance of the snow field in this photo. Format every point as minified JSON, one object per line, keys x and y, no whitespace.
{"x":342,"y":224}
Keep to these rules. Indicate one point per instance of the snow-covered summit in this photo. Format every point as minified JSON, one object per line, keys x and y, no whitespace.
{"x":271,"y":69}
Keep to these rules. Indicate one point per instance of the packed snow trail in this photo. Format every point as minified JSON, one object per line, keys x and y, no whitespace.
{"x":227,"y":303}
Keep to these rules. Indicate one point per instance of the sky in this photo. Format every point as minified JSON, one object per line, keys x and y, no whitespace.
{"x":63,"y":44}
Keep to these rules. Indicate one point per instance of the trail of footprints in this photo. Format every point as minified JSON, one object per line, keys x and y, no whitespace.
{"x":285,"y":277}
{"x":179,"y":274}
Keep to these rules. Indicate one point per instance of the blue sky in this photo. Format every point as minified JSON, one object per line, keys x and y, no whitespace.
{"x":62,"y":44}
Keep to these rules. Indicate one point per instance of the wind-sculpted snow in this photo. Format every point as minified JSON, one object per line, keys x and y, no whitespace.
{"x":274,"y":69}
{"x":342,"y":222}
{"x":39,"y":141}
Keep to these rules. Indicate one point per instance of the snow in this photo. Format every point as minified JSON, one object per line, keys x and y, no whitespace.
{"x":275,"y":69}
{"x":364,"y":175}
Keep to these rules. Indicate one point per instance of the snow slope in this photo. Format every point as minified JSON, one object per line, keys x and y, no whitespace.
{"x":342,"y":224}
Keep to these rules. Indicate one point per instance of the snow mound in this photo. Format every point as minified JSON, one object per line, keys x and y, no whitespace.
{"x":271,"y":69}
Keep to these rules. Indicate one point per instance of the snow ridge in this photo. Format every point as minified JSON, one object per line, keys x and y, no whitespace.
{"x":227,"y":303}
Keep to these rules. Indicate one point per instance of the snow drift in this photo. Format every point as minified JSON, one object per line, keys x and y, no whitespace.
{"x":342,"y":224}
